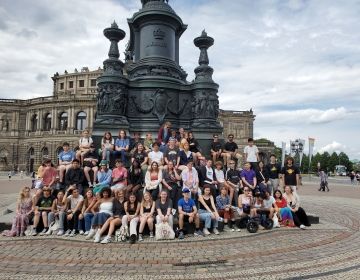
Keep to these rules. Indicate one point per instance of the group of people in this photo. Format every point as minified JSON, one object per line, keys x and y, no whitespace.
{"x":168,"y":180}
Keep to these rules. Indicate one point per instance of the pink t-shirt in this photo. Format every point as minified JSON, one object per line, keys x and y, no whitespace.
{"x":48,"y":175}
{"x":119,"y":173}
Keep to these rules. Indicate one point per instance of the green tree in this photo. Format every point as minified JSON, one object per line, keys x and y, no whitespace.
{"x":325,"y":160}
{"x":344,"y":160}
{"x":334,"y":160}
{"x":314,"y":161}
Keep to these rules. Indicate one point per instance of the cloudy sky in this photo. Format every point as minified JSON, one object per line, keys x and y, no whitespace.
{"x":296,"y":63}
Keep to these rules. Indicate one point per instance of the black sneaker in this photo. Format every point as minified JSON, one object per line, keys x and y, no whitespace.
{"x":132,"y":239}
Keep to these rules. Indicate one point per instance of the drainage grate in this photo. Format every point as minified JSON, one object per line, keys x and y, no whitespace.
{"x":200,"y":263}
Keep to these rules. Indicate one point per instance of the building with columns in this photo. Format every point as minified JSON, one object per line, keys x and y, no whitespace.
{"x":34,"y":129}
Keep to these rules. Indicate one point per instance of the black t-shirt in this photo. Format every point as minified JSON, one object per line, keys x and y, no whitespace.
{"x":172,"y":155}
{"x":140,"y":157}
{"x":169,"y":177}
{"x":45,"y":202}
{"x":289,"y":173}
{"x":163,"y":207}
{"x":273,"y":170}
{"x":231,"y":146}
{"x":193,"y":145}
{"x":90,"y":155}
{"x":216,"y":146}
{"x":233,"y":176}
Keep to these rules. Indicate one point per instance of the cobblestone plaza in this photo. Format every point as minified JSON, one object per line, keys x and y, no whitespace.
{"x":329,"y":250}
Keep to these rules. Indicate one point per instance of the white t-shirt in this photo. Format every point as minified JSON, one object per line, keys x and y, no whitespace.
{"x":85,"y":141}
{"x":251,"y":153}
{"x":269,"y":202}
{"x":209,"y":174}
{"x":74,"y":201}
{"x":156,"y":156}
{"x":107,"y":143}
{"x":219,"y":176}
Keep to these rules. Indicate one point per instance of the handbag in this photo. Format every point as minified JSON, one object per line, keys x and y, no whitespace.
{"x":276,"y":221}
{"x":163,"y":231}
{"x":122,"y":234}
{"x":54,"y":225}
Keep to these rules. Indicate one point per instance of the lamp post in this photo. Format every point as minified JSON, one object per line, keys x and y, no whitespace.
{"x":297,"y":147}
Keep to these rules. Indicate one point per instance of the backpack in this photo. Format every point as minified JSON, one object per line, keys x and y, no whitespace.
{"x":122,"y":233}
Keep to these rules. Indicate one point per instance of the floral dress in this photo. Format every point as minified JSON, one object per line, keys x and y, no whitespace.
{"x":21,"y":219}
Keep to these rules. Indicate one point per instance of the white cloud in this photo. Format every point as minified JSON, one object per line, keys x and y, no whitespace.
{"x":307,"y":116}
{"x":333,"y":147}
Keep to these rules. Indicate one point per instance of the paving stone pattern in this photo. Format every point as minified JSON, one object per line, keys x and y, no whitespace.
{"x":329,"y":250}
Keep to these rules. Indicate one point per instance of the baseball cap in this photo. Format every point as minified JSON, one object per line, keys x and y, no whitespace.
{"x":185,"y":190}
{"x":103,"y":163}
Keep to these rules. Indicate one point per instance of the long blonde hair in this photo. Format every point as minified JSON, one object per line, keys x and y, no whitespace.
{"x":22,"y":195}
{"x":144,"y":201}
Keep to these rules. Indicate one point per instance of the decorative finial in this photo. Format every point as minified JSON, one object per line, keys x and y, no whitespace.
{"x":114,"y":25}
{"x":203,"y":33}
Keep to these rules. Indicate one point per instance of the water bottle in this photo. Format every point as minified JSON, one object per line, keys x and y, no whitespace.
{"x":220,"y":219}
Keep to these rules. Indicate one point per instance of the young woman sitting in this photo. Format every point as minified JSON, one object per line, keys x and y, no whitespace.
{"x":147,"y":209}
{"x":132,"y":210}
{"x":207,"y":211}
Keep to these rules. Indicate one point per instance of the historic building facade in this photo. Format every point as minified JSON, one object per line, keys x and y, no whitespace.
{"x":34,"y":129}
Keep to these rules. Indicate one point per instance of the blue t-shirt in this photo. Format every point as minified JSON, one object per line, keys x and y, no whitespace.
{"x":249,"y":175}
{"x":186,"y":206}
{"x":122,"y":142}
{"x":67,"y":156}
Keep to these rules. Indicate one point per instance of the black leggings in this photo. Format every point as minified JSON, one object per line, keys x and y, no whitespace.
{"x":73,"y":223}
{"x":300,"y":218}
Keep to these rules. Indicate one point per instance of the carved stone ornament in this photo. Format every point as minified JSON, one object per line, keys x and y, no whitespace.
{"x":159,"y":104}
{"x":112,"y":99}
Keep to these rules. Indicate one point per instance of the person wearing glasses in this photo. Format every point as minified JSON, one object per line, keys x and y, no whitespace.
{"x":216,"y":148}
{"x":42,"y":209}
{"x":230,"y":151}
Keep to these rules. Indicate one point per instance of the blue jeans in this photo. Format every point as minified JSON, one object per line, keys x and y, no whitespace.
{"x":122,"y":154}
{"x":205,"y":216}
{"x":88,"y":218}
{"x":106,"y":154}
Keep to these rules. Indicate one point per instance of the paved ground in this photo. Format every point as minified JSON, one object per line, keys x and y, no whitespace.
{"x":329,"y":250}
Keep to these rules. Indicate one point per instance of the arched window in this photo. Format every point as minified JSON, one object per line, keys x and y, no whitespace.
{"x":30,"y":160}
{"x":45,"y":153}
{"x":81,"y":121}
{"x":34,"y":122}
{"x":47,"y":122}
{"x":63,"y":121}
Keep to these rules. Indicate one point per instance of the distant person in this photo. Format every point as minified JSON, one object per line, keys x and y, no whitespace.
{"x":352,"y":177}
{"x":323,"y":181}
{"x":9,"y":175}
{"x":230,"y":151}
{"x":164,"y":135}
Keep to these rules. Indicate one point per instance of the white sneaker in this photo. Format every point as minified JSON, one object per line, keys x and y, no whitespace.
{"x":216,"y":231}
{"x":85,"y":233}
{"x":49,"y":232}
{"x":106,"y":240}
{"x":140,"y":237}
{"x":206,"y":232}
{"x":97,"y":238}
{"x":302,"y":227}
{"x":73,"y":233}
{"x":81,"y":232}
{"x":60,"y":232}
{"x":43,"y":231}
{"x":91,"y":234}
{"x":238,"y":230}
{"x":151,"y":235}
{"x":33,"y":232}
{"x":67,"y":233}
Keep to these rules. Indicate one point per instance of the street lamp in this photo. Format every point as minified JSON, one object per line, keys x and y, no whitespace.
{"x":297,"y":147}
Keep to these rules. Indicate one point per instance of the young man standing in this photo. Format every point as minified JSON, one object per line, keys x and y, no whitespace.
{"x":188,"y":212}
{"x":251,"y":153}
{"x":273,"y":170}
{"x":290,"y":175}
